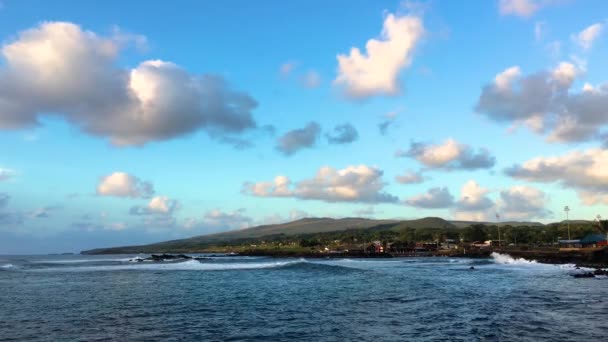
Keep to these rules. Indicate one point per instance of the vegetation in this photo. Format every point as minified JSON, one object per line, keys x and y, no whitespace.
{"x":354,"y":233}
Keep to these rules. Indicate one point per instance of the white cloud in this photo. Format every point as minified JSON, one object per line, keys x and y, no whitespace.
{"x":59,"y":68}
{"x":410,"y":177}
{"x":546,"y":102}
{"x":161,"y":205}
{"x":520,"y":8}
{"x":522,"y":203}
{"x":434,"y":198}
{"x":474,"y":197}
{"x":376,"y":71}
{"x":122,"y":184}
{"x":450,"y":155}
{"x":351,"y":184}
{"x":586,"y":37}
{"x":582,"y":171}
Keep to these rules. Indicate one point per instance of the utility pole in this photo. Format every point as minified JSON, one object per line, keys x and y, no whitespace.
{"x":567,"y":210}
{"x":498,"y":226}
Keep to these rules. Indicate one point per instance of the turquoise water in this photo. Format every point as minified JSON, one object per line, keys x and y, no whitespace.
{"x":109,"y":298}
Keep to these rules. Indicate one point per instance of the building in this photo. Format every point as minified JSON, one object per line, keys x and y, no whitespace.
{"x":594,"y":240}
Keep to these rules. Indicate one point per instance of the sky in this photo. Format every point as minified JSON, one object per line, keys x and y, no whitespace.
{"x":135,"y":122}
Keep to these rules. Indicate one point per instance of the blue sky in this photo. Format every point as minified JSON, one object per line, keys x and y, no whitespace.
{"x":136,"y":122}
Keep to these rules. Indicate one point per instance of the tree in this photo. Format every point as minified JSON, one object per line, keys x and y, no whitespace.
{"x":475,"y":232}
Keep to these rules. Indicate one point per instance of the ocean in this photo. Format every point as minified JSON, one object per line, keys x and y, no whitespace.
{"x":110,"y":298}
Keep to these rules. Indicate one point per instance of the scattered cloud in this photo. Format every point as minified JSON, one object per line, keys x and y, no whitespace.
{"x":389,"y":120}
{"x":297,"y":139}
{"x":451,"y":155}
{"x":434,"y":198}
{"x":586,"y":37}
{"x":351,"y":184}
{"x":376,"y":71}
{"x":287,"y":68}
{"x":520,"y":8}
{"x":473,"y":197}
{"x":6,"y":174}
{"x":155,"y":101}
{"x":44,"y":212}
{"x":523,"y":203}
{"x":122,"y":184}
{"x":583,"y":171}
{"x":311,"y":79}
{"x":160,"y":205}
{"x":546,"y":103}
{"x":343,"y":134}
{"x":217,"y":220}
{"x":410,"y":177}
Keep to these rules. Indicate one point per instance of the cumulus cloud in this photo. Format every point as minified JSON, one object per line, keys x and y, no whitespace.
{"x":583,"y":171}
{"x":474,"y":197}
{"x":520,"y":8}
{"x":410,"y":177}
{"x":546,"y":103}
{"x":523,"y":202}
{"x":122,"y":184}
{"x":376,"y":71}
{"x":434,"y":198}
{"x":451,"y":155}
{"x":586,"y":37}
{"x":160,"y":205}
{"x":62,"y":70}
{"x":297,"y":139}
{"x":343,"y":134}
{"x":6,"y":174}
{"x":351,"y":184}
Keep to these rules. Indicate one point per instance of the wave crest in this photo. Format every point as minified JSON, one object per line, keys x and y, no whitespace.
{"x":506,"y":259}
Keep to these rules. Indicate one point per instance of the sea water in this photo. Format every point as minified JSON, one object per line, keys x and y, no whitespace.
{"x":111,"y":298}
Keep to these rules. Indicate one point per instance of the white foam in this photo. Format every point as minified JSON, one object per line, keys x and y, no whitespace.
{"x":190,"y":265}
{"x":506,"y":259}
{"x":77,"y":261}
{"x":7,"y":266}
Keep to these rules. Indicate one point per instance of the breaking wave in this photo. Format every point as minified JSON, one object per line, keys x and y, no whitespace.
{"x":506,"y":259}
{"x":190,"y":265}
{"x":7,"y":266}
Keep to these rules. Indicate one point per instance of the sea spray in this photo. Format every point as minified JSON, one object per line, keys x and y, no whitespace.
{"x":506,"y":259}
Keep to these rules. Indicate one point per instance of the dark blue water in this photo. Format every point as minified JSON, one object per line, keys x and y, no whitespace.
{"x":108,"y":298}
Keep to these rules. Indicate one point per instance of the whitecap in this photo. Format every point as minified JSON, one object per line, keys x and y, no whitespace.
{"x":506,"y":259}
{"x":190,"y":265}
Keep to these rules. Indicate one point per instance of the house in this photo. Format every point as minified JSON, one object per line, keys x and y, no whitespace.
{"x":569,"y":243}
{"x":594,"y":240}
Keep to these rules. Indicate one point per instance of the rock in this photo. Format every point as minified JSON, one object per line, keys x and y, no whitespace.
{"x":600,"y":272}
{"x":472,"y":267}
{"x":584,"y":275}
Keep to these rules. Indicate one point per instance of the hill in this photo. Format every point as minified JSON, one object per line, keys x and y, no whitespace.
{"x":303,"y":226}
{"x":299,"y":227}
